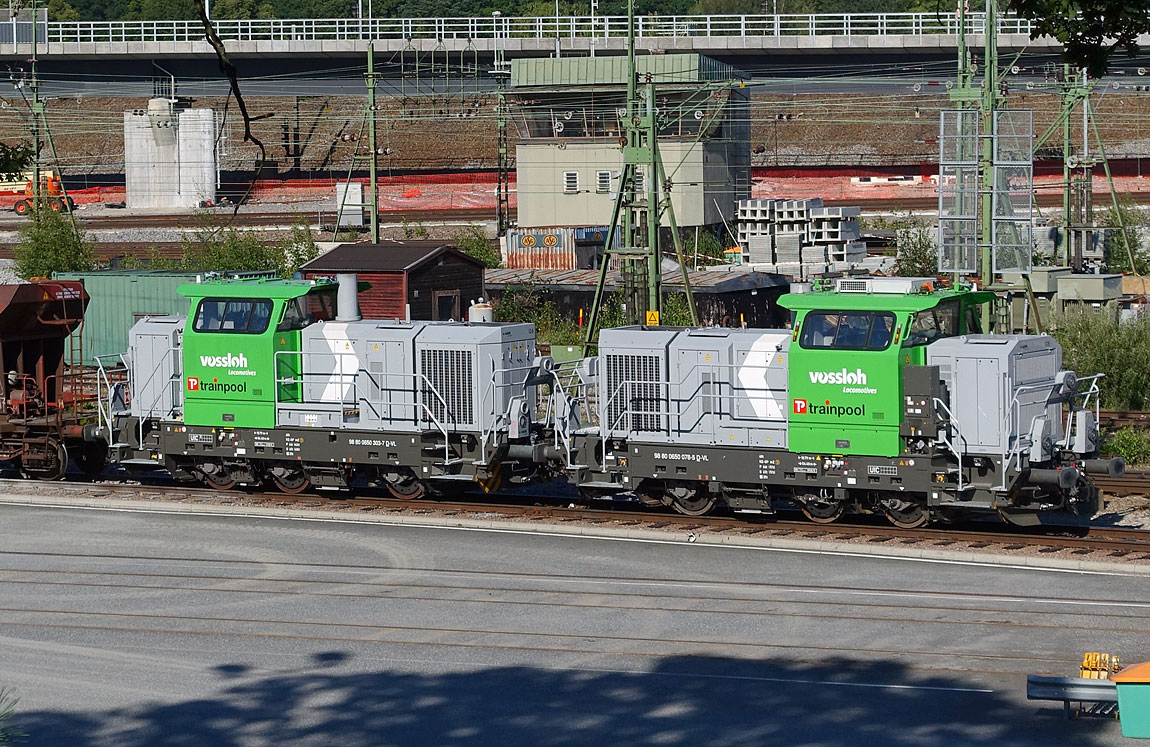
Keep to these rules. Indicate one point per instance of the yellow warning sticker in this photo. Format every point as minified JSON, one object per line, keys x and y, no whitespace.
{"x":652,"y":318}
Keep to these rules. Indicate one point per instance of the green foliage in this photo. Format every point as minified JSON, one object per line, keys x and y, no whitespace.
{"x":1091,"y":31}
{"x":61,"y":10}
{"x":15,"y":159}
{"x":914,"y":240}
{"x":473,"y":241}
{"x":1117,"y":254}
{"x":51,"y":243}
{"x":160,"y":10}
{"x":707,"y":252}
{"x":1130,"y":443}
{"x":242,"y":9}
{"x":414,"y":230}
{"x":296,"y":249}
{"x":8,"y":700}
{"x":676,"y":311}
{"x":530,"y":303}
{"x":1097,"y":343}
{"x":230,"y":249}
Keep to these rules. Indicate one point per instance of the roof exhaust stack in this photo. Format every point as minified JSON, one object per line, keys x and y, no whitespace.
{"x":347,"y":300}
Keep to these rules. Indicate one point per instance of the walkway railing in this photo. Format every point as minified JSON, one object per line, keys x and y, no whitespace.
{"x":490,"y":28}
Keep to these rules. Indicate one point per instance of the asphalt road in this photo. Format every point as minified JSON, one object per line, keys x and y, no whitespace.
{"x":139,"y":629}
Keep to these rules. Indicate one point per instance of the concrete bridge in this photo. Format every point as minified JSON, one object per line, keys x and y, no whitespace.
{"x":730,"y":36}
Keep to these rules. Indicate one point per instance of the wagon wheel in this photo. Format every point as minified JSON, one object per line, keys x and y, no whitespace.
{"x":691,"y":501}
{"x":52,"y":466}
{"x":405,"y":487}
{"x":822,"y":509}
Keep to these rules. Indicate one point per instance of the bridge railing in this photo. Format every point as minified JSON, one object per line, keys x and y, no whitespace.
{"x":543,"y":27}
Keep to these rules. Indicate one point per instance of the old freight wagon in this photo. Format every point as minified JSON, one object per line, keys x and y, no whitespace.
{"x":408,"y":279}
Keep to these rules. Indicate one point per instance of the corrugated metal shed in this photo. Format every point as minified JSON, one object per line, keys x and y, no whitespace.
{"x":581,"y":71}
{"x":122,"y":297}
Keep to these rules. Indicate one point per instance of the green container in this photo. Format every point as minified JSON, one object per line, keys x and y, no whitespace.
{"x":120,"y":298}
{"x":1134,"y":700}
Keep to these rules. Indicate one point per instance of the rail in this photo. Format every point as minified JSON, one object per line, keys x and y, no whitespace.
{"x":527,"y":27}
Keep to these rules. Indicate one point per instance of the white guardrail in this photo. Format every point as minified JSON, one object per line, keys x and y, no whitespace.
{"x":306,"y":29}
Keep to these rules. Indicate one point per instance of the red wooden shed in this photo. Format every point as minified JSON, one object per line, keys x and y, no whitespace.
{"x":436,"y":280}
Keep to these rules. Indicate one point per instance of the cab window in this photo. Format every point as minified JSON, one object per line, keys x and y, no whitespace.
{"x":308,"y":309}
{"x":847,"y":330}
{"x":235,"y":315}
{"x":932,"y":324}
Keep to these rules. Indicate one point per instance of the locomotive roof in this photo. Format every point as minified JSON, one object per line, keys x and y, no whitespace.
{"x":834,"y":299}
{"x":252,"y":288}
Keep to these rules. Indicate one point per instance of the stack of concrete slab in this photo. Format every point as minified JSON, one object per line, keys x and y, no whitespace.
{"x":798,"y":232}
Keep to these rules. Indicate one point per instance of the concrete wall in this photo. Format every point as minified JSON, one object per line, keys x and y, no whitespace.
{"x":169,"y":160}
{"x":705,"y":191}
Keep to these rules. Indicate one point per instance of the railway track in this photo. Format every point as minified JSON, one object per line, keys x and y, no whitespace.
{"x":1081,"y":542}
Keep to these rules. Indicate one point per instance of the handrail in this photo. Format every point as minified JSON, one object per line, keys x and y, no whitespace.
{"x":539,"y":27}
{"x":418,"y":405}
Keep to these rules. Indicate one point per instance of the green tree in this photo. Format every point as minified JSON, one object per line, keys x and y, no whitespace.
{"x":61,"y":10}
{"x":473,"y":241}
{"x":8,"y":701}
{"x":242,"y":9}
{"x":917,"y":251}
{"x":1091,"y":31}
{"x":159,"y":10}
{"x":1098,"y":343}
{"x":230,"y":249}
{"x":1117,"y":252}
{"x":51,"y":243}
{"x":15,"y":159}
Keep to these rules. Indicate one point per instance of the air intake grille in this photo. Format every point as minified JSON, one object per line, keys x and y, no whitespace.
{"x":854,"y":286}
{"x":450,"y":374}
{"x":634,"y":387}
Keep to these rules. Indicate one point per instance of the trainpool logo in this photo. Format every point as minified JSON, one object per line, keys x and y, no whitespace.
{"x":193,"y":384}
{"x":839,"y":377}
{"x":229,"y":361}
{"x":800,"y":407}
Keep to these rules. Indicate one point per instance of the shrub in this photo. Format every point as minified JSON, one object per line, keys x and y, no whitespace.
{"x":51,"y":243}
{"x":1099,"y":343}
{"x":473,"y":241}
{"x":1130,"y":443}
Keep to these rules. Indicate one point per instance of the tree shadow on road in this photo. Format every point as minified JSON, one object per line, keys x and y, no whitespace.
{"x":683,"y":701}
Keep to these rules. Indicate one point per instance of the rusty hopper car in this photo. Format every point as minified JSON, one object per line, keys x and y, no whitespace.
{"x":41,"y":426}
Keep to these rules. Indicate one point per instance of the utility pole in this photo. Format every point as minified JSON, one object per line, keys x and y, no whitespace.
{"x":372,"y":78}
{"x":37,"y":115}
{"x":503,"y":166}
{"x":637,"y":215}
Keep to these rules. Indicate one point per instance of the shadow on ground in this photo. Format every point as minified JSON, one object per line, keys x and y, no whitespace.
{"x":684,"y":701}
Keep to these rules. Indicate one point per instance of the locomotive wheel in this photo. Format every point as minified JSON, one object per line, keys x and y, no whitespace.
{"x":822,"y":510}
{"x":292,"y":482}
{"x":219,"y":479}
{"x":691,"y":501}
{"x":407,"y":488}
{"x":23,"y":207}
{"x":905,"y":514}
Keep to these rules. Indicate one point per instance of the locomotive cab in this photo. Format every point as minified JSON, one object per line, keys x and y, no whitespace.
{"x":242,"y":342}
{"x":848,"y":349}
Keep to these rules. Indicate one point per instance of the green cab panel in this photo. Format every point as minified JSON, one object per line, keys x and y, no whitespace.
{"x":846,"y":357}
{"x":241,"y":339}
